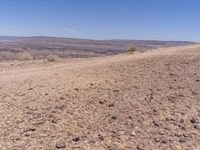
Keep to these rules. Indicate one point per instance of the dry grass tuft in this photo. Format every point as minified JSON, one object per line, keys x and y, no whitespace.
{"x":25,"y":56}
{"x":4,"y":55}
{"x":52,"y":57}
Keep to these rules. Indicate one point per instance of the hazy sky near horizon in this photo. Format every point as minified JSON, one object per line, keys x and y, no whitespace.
{"x":102,"y":19}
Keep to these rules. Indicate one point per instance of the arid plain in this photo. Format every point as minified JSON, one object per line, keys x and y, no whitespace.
{"x":144,"y":101}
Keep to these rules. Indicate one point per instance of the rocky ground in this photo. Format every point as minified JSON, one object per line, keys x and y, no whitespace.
{"x":141,"y":101}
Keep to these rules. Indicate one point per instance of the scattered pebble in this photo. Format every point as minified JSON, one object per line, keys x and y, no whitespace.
{"x":101,"y":102}
{"x":114,"y":117}
{"x":197,"y":126}
{"x":111,"y":105}
{"x":76,"y":89}
{"x":100,"y":137}
{"x":76,"y":139}
{"x":140,"y":147}
{"x":31,"y":129}
{"x":60,"y":144}
{"x":112,"y":147}
{"x":115,"y":91}
{"x":194,"y":120}
{"x":133,"y":133}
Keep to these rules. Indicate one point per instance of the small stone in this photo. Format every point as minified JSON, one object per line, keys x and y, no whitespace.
{"x":176,"y":147}
{"x":121,"y":132}
{"x":54,"y":120}
{"x":130,"y":117}
{"x":156,"y":123}
{"x":140,"y":147}
{"x":197,"y":126}
{"x":133,"y":133}
{"x":194,"y":120}
{"x":100,"y":137}
{"x":60,"y":144}
{"x":164,"y":141}
{"x":38,"y":122}
{"x":183,"y":128}
{"x":30,"y":89}
{"x":181,"y":121}
{"x":182,"y":140}
{"x":157,"y":140}
{"x":111,"y":105}
{"x":115,"y":91}
{"x":31,"y":129}
{"x":162,"y":133}
{"x":76,"y":139}
{"x":114,"y":117}
{"x":61,"y":98}
{"x":112,"y":147}
{"x":27,"y":134}
{"x":76,"y":89}
{"x":101,"y":102}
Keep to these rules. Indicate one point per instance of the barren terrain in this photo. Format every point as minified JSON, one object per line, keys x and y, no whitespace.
{"x":16,"y":48}
{"x":144,"y":101}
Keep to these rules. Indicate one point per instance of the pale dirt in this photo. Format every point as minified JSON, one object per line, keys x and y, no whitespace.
{"x":147,"y":101}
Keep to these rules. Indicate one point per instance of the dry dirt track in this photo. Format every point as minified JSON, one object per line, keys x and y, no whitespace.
{"x":145,"y":101}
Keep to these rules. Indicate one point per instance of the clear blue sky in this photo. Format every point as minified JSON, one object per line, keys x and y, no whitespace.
{"x":102,"y":19}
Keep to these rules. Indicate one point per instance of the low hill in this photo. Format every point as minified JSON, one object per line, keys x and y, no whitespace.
{"x":40,"y":47}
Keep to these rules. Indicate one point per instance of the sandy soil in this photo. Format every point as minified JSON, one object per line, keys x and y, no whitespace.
{"x":144,"y":101}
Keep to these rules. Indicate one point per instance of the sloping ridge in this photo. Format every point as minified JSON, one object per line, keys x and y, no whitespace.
{"x":132,"y":101}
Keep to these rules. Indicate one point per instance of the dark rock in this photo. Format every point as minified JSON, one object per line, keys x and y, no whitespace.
{"x":164,"y":141}
{"x":156,"y":123}
{"x":157,"y":140}
{"x":30,"y":89}
{"x":111,"y":105}
{"x":115,"y":91}
{"x":197,"y":126}
{"x":114,"y":117}
{"x":76,"y":139}
{"x":100,"y":137}
{"x":181,"y":121}
{"x":101,"y":102}
{"x":76,"y":89}
{"x":182,"y":140}
{"x":194,"y":120}
{"x":54,"y":120}
{"x":61,"y":98}
{"x":27,"y":134}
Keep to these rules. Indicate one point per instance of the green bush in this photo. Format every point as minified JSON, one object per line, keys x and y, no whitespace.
{"x":131,"y":49}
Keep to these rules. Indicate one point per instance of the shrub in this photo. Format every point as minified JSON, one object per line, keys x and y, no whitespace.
{"x":131,"y":49}
{"x":6,"y":55}
{"x":52,"y":57}
{"x":25,"y":56}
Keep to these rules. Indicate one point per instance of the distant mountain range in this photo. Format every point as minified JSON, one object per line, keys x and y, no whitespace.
{"x":70,"y":47}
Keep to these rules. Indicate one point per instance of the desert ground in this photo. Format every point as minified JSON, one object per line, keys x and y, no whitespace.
{"x":139,"y":101}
